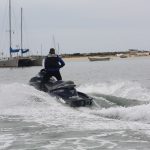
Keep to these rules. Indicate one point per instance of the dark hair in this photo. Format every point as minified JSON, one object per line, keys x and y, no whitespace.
{"x":52,"y":51}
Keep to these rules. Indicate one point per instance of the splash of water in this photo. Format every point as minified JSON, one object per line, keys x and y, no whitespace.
{"x":130,"y":92}
{"x":124,"y":89}
{"x":33,"y":105}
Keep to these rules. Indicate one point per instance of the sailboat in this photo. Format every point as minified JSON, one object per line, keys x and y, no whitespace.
{"x":24,"y":61}
{"x":15,"y":61}
{"x":28,"y":61}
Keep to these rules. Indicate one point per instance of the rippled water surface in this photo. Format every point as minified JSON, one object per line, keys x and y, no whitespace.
{"x":118,"y":120}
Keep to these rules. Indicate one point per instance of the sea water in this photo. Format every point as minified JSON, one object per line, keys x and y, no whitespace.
{"x":118,"y":120}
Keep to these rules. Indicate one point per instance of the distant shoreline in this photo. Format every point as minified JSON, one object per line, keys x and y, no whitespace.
{"x":112,"y":55}
{"x":85,"y":58}
{"x":129,"y":52}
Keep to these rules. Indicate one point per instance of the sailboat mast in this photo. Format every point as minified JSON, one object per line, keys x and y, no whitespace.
{"x":58,"y":48}
{"x":54,"y":42}
{"x":21,"y":33}
{"x":10,"y":42}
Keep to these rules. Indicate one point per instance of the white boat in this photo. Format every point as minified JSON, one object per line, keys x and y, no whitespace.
{"x":15,"y":61}
{"x":9,"y":62}
{"x":99,"y":58}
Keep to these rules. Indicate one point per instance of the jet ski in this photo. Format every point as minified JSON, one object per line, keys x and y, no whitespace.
{"x":63,"y":90}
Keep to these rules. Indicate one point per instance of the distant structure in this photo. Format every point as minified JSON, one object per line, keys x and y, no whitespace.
{"x":18,"y":61}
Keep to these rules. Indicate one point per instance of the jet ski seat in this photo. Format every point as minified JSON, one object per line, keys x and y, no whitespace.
{"x":53,"y":84}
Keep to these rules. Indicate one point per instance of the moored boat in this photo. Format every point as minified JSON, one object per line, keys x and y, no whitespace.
{"x":19,"y":61}
{"x":99,"y":58}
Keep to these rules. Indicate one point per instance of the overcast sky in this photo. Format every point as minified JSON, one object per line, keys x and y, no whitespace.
{"x":79,"y":25}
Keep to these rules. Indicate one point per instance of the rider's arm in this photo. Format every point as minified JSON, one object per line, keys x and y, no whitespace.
{"x":62,"y":63}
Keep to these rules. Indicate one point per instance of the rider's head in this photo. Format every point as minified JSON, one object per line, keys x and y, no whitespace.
{"x":52,"y":51}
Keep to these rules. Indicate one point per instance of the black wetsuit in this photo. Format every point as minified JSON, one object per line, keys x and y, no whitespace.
{"x":52,"y":64}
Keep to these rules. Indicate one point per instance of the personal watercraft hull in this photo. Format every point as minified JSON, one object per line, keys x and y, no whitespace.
{"x":76,"y":101}
{"x":64,"y":90}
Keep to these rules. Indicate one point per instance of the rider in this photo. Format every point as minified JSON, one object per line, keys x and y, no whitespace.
{"x":52,"y":65}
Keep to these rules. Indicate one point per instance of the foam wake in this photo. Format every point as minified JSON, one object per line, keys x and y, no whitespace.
{"x":123,"y":89}
{"x":21,"y":100}
{"x":120,"y":100}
